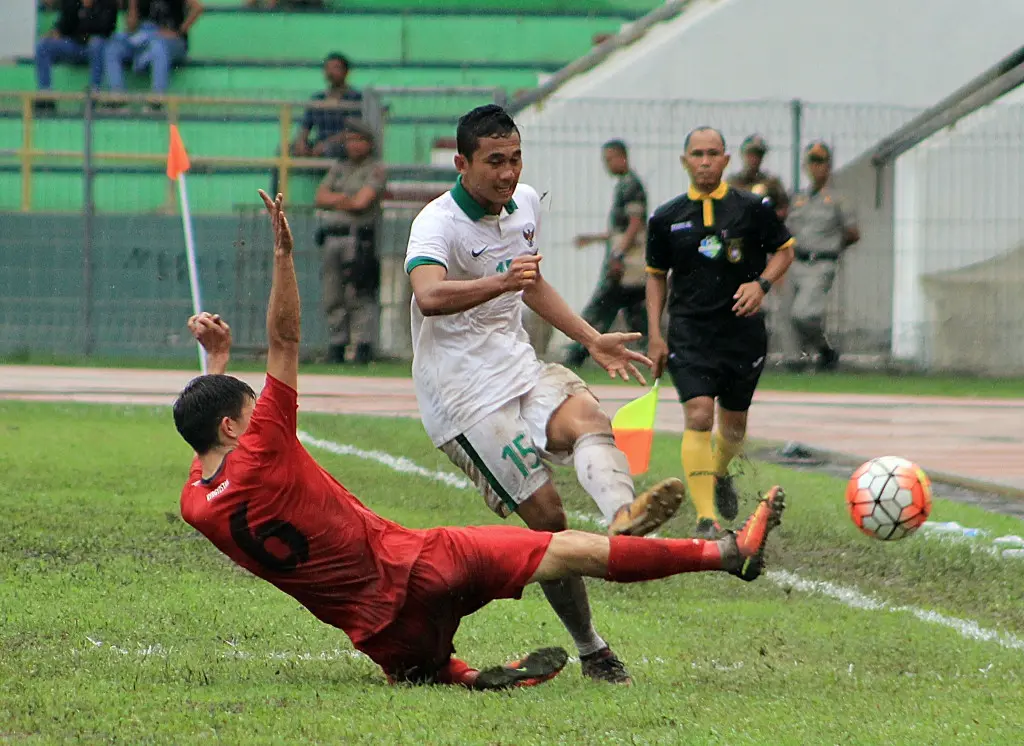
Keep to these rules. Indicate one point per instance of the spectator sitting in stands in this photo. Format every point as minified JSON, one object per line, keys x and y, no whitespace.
{"x":79,"y":37}
{"x":157,"y":38}
{"x":328,"y":124}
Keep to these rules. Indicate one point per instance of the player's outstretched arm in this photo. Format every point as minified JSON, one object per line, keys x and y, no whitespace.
{"x":608,"y":350}
{"x":283,"y":310}
{"x":214,"y":334}
{"x":438,"y":296}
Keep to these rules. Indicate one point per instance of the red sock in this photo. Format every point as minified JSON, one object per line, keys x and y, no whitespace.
{"x":458,"y":673}
{"x":634,"y":558}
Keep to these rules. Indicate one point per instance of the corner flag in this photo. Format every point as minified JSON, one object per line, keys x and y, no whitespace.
{"x":177,"y":165}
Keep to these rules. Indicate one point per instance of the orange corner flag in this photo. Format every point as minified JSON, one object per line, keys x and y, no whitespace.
{"x":177,"y":158}
{"x":633,"y":426}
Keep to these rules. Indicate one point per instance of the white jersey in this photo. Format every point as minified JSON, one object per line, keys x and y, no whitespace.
{"x":467,"y":365}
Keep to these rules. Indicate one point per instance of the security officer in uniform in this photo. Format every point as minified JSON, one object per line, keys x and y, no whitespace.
{"x":824,"y":225}
{"x":623,"y":280}
{"x":348,"y":220}
{"x":753,"y":179}
{"x":725,"y":249}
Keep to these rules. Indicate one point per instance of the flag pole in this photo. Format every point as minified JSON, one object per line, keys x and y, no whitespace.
{"x":177,"y":165}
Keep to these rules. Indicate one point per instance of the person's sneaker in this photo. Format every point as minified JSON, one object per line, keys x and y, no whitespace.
{"x":707,"y":528}
{"x":649,"y":510}
{"x":536,"y":668}
{"x":750,"y":540}
{"x":727,"y":500}
{"x":605,"y":666}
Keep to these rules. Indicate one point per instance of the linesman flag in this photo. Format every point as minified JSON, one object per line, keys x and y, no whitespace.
{"x":633,"y":426}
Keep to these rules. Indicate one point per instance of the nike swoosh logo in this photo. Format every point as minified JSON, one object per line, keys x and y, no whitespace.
{"x":478,"y":252}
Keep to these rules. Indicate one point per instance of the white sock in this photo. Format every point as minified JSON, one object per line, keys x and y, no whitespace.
{"x":603,"y":472}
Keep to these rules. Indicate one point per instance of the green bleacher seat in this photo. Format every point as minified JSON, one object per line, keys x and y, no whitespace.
{"x":242,"y":53}
{"x":625,"y":8}
{"x":367,"y":38}
{"x":279,"y":82}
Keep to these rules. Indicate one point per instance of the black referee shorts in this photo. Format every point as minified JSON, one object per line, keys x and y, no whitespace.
{"x":722,"y":358}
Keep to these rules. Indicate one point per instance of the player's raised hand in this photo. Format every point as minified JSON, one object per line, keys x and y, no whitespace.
{"x":282,"y":232}
{"x":610,"y":352}
{"x":748,"y":299}
{"x":522,"y":273}
{"x":212,"y":332}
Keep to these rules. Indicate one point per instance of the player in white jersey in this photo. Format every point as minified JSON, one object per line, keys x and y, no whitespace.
{"x":485,"y":399}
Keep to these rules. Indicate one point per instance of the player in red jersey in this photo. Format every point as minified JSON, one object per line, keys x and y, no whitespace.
{"x":399,"y":594}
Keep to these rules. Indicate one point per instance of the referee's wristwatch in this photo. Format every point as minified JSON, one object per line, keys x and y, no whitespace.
{"x":765,"y":284}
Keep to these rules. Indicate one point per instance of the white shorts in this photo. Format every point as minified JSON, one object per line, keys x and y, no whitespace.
{"x":505,"y":454}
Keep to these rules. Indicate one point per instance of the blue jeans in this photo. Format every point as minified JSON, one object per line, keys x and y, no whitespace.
{"x":50,"y":50}
{"x":145,"y":48}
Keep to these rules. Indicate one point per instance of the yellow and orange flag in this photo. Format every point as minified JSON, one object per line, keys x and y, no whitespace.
{"x":633,"y":426}
{"x":177,"y":158}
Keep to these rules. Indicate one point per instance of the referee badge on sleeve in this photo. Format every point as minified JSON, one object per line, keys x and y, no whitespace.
{"x":734,"y":250}
{"x":710,"y":246}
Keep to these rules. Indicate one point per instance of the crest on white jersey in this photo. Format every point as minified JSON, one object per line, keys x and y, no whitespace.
{"x":528,"y":233}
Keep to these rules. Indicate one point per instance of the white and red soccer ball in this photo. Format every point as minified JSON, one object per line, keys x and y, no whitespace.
{"x":889,"y":497}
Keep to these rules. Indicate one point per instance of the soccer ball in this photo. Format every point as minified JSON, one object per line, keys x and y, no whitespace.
{"x":889,"y":497}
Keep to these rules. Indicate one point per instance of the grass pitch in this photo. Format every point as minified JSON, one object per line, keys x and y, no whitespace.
{"x":119,"y":624}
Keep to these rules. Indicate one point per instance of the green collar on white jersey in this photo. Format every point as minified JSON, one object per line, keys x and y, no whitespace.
{"x":474,"y":211}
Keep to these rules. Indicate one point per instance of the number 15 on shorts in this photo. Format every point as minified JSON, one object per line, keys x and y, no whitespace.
{"x":525,"y":458}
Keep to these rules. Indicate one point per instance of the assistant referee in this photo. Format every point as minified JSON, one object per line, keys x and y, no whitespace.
{"x":724,"y":249}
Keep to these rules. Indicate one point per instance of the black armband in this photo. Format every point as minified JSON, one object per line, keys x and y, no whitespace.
{"x":765,"y":284}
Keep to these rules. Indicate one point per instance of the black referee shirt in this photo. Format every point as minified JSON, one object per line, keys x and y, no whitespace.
{"x":712,"y":243}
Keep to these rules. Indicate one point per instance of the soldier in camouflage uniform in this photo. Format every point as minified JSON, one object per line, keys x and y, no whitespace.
{"x":824,"y":225}
{"x":623,"y":282}
{"x":753,"y":179}
{"x":348,"y":222}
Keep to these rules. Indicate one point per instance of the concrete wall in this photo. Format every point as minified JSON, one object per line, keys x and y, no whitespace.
{"x":860,"y":313}
{"x":958,"y":204}
{"x":18,"y":31}
{"x":907,"y":53}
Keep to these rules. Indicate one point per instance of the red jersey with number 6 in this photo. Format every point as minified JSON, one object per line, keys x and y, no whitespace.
{"x":273,"y":510}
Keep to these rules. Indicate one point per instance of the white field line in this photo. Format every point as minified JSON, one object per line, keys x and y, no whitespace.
{"x":848,"y":596}
{"x":395,"y":463}
{"x":855,"y":599}
{"x":160,"y":651}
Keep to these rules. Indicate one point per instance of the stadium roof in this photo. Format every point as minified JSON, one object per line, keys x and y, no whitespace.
{"x":997,"y":81}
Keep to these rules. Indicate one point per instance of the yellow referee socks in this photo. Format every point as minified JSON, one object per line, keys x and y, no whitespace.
{"x":725,"y":451}
{"x":698,"y":465}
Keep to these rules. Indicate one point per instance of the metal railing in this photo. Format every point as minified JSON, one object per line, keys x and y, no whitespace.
{"x":92,"y":258}
{"x":170,"y":109}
